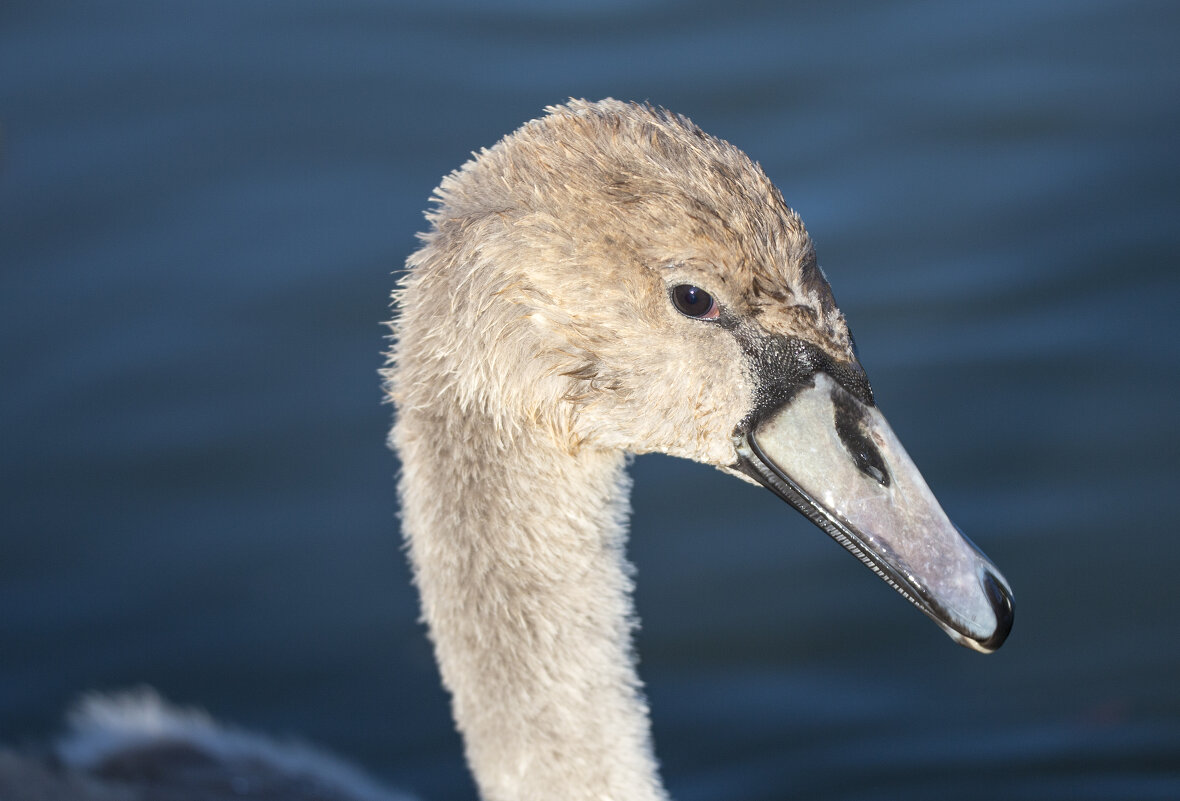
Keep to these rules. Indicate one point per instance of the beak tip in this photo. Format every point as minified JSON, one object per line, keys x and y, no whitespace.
{"x":1000,"y":597}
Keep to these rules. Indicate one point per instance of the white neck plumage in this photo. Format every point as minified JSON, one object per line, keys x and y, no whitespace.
{"x":517,"y":547}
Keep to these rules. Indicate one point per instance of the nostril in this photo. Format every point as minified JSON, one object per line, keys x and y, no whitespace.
{"x":1000,"y":598}
{"x":850,"y":427}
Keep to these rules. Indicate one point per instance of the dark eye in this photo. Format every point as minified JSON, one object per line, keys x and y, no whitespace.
{"x":694,"y":302}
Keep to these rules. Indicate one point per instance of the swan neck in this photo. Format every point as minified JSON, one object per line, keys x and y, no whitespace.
{"x":518,"y":551}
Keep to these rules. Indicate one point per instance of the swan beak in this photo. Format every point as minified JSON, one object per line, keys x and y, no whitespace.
{"x":834,"y":458}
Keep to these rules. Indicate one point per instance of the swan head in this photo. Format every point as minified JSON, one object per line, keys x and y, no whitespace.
{"x":617,"y":278}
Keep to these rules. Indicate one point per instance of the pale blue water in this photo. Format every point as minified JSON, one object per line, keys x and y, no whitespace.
{"x":200,"y":211}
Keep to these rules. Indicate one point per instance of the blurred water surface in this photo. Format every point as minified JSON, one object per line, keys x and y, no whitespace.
{"x":201,"y":207}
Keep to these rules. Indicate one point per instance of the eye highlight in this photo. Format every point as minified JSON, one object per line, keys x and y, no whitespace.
{"x":693,"y":301}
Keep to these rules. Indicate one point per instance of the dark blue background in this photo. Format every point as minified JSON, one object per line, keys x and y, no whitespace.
{"x":201,"y":208}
